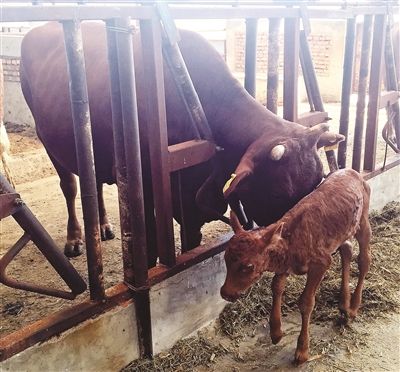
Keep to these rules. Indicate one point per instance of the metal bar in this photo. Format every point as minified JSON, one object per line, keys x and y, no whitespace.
{"x":310,"y":119}
{"x":310,"y":72}
{"x":250,"y":56}
{"x":138,"y":253}
{"x":186,"y":154}
{"x":290,"y":68}
{"x":119,"y":153}
{"x":306,"y":79}
{"x":346,"y":89}
{"x":61,"y":321}
{"x":28,"y":222}
{"x":130,"y":125}
{"x":18,"y":284}
{"x":273,"y":64}
{"x":378,"y":46}
{"x":362,"y":92}
{"x":18,"y":13}
{"x":389,"y":98}
{"x":187,"y":92}
{"x":189,"y":259}
{"x":392,"y":83}
{"x":394,"y":161}
{"x":8,"y":204}
{"x":84,"y":155}
{"x":156,"y":123}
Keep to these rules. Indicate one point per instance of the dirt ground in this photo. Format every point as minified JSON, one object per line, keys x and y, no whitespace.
{"x":378,"y":348}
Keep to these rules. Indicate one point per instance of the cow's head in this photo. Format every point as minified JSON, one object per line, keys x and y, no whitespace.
{"x":274,"y":174}
{"x":248,"y":254}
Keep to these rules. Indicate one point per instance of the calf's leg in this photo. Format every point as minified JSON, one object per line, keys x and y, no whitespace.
{"x":363,"y":237}
{"x":345,"y":254}
{"x":275,"y":323}
{"x":306,"y":305}
{"x":106,"y":230}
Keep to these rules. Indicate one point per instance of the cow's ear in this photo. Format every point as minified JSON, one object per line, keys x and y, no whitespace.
{"x":279,"y":230}
{"x":235,"y":224}
{"x":330,"y":139}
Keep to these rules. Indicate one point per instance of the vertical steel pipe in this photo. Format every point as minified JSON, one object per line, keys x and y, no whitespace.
{"x":346,"y":89}
{"x":137,"y":244}
{"x":84,"y":155}
{"x":273,"y":64}
{"x":391,"y":82}
{"x":375,"y":82}
{"x":250,"y":56}
{"x":306,"y":79}
{"x":362,"y":92}
{"x":130,"y":125}
{"x":119,"y":153}
{"x":290,"y":68}
{"x":156,"y":124}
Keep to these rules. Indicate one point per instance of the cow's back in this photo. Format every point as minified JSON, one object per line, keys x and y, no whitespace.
{"x":44,"y":80}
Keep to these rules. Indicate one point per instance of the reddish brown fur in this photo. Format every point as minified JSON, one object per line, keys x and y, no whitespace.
{"x":239,"y":124}
{"x":302,"y":242}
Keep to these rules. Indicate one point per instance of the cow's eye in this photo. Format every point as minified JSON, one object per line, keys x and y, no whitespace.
{"x":247,"y":268}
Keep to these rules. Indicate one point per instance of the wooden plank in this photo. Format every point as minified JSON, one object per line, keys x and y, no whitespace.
{"x":187,"y":154}
{"x":309,"y":119}
{"x":375,"y":81}
{"x":291,"y":68}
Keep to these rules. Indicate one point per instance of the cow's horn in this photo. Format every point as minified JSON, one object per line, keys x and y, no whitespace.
{"x":277,"y":152}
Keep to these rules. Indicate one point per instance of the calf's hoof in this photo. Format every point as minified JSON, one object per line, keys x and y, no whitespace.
{"x":106,"y":232}
{"x":73,"y":248}
{"x":276,"y":337}
{"x":300,"y":357}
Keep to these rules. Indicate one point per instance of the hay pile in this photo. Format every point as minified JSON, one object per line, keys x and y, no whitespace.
{"x":184,"y":356}
{"x":381,"y":290}
{"x":380,"y":297}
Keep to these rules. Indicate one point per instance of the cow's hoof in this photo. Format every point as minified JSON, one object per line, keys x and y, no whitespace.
{"x":73,"y":248}
{"x":107,"y":232}
{"x":276,"y":337}
{"x":300,"y":357}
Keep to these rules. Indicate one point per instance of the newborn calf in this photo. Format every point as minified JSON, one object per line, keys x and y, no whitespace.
{"x":302,"y":242}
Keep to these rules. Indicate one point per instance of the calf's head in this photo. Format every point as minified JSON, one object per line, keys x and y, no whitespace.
{"x":248,"y":254}
{"x":277,"y":171}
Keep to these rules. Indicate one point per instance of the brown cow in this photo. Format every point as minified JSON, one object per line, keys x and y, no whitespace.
{"x":302,"y":242}
{"x":275,"y":161}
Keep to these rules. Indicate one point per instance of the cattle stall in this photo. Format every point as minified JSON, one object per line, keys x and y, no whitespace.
{"x":158,"y":33}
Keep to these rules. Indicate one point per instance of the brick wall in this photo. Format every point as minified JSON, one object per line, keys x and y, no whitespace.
{"x":320,"y":45}
{"x":11,"y":69}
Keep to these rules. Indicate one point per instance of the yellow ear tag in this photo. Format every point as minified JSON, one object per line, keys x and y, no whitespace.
{"x":331,"y":147}
{"x":228,"y":183}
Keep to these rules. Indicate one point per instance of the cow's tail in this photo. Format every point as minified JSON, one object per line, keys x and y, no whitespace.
{"x":4,"y":153}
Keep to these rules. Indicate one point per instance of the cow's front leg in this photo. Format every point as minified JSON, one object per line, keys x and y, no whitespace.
{"x":306,"y":305}
{"x":106,"y":229}
{"x":275,"y":323}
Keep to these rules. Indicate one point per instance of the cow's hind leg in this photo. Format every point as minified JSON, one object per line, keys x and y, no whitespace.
{"x":363,"y":237}
{"x":74,"y":245}
{"x":275,"y":322}
{"x":346,"y":253}
{"x":106,"y":229}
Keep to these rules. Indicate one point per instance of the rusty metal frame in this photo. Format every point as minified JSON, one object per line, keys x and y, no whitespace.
{"x":163,"y":159}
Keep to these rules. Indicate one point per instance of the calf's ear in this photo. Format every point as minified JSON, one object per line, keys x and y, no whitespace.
{"x":235,"y":224}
